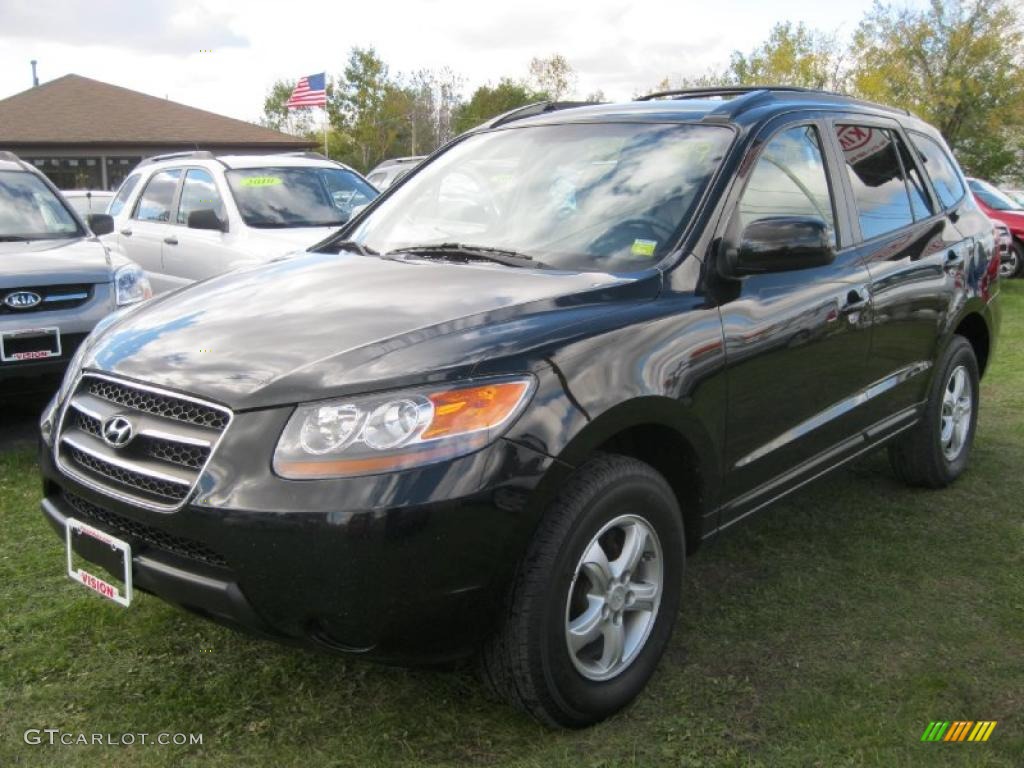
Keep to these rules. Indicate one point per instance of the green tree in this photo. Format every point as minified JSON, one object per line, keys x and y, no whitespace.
{"x":553,"y":76}
{"x":792,"y":55}
{"x":958,"y":65}
{"x":490,"y":101}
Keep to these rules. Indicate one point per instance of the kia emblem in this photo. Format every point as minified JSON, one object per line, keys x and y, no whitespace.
{"x":22,"y":299}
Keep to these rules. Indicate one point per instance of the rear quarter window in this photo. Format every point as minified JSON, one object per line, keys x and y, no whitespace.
{"x":940,"y":169}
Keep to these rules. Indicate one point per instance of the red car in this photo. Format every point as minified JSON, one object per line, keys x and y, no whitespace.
{"x":1002,"y":208}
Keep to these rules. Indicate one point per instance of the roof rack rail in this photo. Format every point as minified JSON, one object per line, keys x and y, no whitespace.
{"x":728,"y":90}
{"x":204,"y":153}
{"x":307,"y":153}
{"x":747,"y":95}
{"x":532,"y":110}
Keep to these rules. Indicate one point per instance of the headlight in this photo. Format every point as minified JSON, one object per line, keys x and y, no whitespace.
{"x":381,"y":433}
{"x":131,"y":285}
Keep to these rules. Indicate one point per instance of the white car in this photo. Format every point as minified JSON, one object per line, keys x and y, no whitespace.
{"x":388,"y":172}
{"x":188,"y":216}
{"x":88,"y":201}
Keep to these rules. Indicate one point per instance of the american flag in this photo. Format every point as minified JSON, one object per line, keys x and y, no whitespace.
{"x":311,"y":91}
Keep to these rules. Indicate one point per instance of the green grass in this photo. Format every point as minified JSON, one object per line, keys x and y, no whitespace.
{"x":828,"y":632}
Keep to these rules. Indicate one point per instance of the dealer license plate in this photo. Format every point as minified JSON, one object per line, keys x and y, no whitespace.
{"x":99,"y":546}
{"x":29,"y":344}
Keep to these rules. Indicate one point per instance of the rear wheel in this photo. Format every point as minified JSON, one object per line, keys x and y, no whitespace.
{"x":593,"y":602}
{"x":935,"y":452}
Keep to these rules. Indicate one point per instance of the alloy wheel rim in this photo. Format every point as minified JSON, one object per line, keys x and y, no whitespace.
{"x":614,"y":598}
{"x":955,"y":415}
{"x":1008,"y":268}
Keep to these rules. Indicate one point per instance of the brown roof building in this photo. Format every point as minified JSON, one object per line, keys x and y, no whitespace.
{"x":85,"y":134}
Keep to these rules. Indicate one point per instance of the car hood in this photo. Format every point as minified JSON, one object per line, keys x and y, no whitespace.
{"x":323,"y":324}
{"x":270,"y":243}
{"x":1014,"y":220}
{"x":54,"y":262}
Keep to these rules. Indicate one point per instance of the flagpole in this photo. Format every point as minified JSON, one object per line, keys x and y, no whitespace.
{"x":327,"y":152}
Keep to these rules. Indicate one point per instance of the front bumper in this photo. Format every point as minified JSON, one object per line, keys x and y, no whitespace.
{"x":406,"y":567}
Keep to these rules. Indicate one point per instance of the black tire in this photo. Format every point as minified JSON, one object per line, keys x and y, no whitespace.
{"x":918,"y":457}
{"x":527,"y":662}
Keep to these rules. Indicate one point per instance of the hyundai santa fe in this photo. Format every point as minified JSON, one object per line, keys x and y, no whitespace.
{"x":495,"y":413}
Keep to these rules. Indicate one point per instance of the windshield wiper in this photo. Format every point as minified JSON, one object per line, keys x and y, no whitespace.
{"x":14,"y":239}
{"x":352,"y":245}
{"x":467,"y":252}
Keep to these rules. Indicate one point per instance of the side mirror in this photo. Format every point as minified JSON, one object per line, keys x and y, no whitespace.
{"x":206,"y":218}
{"x":779,"y":244}
{"x":100,"y":223}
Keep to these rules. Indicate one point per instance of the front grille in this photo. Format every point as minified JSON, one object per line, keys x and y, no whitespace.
{"x":166,"y":406}
{"x":133,"y":531}
{"x":135,"y":480}
{"x":52,"y":297}
{"x":170,"y":440}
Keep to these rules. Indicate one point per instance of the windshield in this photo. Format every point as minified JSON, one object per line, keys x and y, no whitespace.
{"x":30,"y":211}
{"x":992,"y":197}
{"x":606,"y":197}
{"x":298,"y":197}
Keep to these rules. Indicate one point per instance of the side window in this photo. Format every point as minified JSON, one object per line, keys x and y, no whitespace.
{"x":123,"y":193}
{"x":940,"y":170}
{"x":919,"y":199}
{"x":789,"y":180}
{"x":879,"y":187}
{"x":158,"y":196}
{"x":198,"y":192}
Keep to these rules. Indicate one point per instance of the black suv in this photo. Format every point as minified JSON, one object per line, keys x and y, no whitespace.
{"x":496,"y":412}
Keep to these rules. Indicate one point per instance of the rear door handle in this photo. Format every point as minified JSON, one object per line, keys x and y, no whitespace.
{"x":171,"y":240}
{"x":127,"y":231}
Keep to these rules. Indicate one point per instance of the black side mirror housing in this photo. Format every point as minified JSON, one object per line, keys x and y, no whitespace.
{"x":100,"y":223}
{"x":778,"y":244}
{"x":206,"y":218}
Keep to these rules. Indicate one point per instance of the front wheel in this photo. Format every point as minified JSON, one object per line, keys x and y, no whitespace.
{"x":593,"y":602}
{"x":935,"y":452}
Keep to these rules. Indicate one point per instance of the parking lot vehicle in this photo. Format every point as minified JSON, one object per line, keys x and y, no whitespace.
{"x":1008,"y":259}
{"x":500,"y":426}
{"x":88,"y":201}
{"x":1000,"y":207}
{"x":388,"y":172}
{"x":57,"y":280}
{"x":190,"y":215}
{"x":1016,"y":194}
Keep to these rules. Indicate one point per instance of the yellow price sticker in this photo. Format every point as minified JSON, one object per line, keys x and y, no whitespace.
{"x":644,"y":247}
{"x":261,"y":181}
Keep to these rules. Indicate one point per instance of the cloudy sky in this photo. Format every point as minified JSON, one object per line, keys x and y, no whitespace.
{"x":222,"y":56}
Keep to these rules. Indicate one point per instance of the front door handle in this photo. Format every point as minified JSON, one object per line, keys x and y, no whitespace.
{"x":954,"y":260}
{"x":171,"y":240}
{"x":127,"y":231}
{"x":856,"y":300}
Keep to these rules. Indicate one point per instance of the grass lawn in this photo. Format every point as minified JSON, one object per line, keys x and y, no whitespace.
{"x":827,"y":632}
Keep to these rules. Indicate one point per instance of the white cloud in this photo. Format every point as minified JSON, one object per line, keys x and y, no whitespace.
{"x":158,"y":46}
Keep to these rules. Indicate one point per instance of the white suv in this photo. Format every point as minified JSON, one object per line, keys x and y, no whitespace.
{"x":187,"y":216}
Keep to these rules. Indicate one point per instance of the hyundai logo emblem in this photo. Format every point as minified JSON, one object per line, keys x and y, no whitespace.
{"x":22,"y":299}
{"x":118,"y":431}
